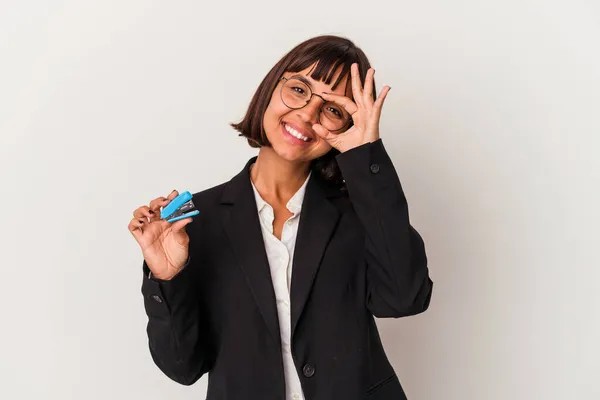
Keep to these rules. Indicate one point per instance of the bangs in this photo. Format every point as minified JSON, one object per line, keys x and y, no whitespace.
{"x":328,"y":60}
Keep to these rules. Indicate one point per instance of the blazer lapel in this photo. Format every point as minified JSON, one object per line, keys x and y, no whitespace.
{"x":317,"y":223}
{"x":318,"y":220}
{"x":242,"y":226}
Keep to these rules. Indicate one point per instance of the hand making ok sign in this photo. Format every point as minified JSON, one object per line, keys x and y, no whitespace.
{"x":364,"y":110}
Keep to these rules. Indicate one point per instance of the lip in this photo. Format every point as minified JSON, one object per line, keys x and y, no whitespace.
{"x":298,"y":129}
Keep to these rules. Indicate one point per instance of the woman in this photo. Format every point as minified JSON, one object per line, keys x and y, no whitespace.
{"x":272,"y":289}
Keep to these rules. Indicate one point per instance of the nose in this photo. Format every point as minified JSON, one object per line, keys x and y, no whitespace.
{"x":310,"y":112}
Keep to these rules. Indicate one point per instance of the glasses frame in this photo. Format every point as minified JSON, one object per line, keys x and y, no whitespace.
{"x":346,"y":126}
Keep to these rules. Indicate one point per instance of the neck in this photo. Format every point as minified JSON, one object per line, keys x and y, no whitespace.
{"x":275,"y":178}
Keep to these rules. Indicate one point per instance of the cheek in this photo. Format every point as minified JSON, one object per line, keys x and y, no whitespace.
{"x":271,"y":120}
{"x":275,"y":110}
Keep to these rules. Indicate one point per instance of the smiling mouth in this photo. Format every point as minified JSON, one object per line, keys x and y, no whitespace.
{"x":296,"y":134}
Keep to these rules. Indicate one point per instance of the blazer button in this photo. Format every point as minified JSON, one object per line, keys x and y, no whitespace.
{"x":374,"y":168}
{"x":308,"y":370}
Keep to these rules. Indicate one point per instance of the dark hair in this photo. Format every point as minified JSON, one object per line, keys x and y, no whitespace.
{"x":330,"y":52}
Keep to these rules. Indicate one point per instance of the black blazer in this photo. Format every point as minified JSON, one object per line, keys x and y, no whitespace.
{"x":356,"y":257}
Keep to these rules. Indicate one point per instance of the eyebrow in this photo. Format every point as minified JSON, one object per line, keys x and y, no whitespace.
{"x":303,"y":79}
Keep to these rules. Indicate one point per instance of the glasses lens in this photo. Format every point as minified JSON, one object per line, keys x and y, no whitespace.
{"x":334,"y":116}
{"x":295,"y":94}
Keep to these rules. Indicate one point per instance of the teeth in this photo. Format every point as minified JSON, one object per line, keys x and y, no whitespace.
{"x":295,"y":133}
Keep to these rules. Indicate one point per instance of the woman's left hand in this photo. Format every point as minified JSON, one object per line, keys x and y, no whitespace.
{"x":365,"y":113}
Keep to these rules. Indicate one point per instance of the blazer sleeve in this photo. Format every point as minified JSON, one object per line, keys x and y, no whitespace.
{"x":398,"y":282}
{"x":177,"y":332}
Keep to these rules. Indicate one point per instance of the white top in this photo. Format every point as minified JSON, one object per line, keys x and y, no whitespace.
{"x":280,"y":254}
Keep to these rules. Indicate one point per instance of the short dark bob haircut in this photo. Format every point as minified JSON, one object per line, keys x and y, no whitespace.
{"x":329,"y":52}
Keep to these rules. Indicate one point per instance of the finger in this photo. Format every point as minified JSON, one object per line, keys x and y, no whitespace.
{"x":143,"y":212}
{"x":173,"y":194}
{"x":369,"y":83}
{"x":157,"y":203}
{"x":137,"y":234}
{"x":379,"y":102}
{"x":179,"y":225}
{"x":346,"y":102}
{"x":164,"y":201}
{"x":324,"y":133}
{"x":357,"y":91}
{"x":136,"y":228}
{"x":155,"y":206}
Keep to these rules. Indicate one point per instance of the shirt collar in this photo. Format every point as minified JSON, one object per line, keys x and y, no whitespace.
{"x":294,"y":204}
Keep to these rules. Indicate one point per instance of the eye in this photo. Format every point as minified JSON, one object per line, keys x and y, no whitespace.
{"x":298,"y":89}
{"x":335,"y":111}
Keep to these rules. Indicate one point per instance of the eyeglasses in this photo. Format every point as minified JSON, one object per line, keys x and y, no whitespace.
{"x":296,"y":94}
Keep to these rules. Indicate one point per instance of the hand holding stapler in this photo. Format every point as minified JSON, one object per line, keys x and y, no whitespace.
{"x":180,"y":207}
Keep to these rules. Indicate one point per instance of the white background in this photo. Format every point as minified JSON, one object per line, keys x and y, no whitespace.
{"x":492,"y":123}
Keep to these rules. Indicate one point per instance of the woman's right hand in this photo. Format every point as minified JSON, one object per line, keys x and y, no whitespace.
{"x":165,"y":245}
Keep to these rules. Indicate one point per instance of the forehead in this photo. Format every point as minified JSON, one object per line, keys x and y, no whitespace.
{"x":305,"y":75}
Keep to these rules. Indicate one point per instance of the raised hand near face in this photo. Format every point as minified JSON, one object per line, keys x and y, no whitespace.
{"x":365,"y":113}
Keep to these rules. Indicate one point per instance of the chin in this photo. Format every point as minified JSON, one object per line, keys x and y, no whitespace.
{"x":294,"y":153}
{"x":287,"y":153}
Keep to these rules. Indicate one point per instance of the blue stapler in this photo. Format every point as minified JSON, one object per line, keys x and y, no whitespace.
{"x":179,"y":208}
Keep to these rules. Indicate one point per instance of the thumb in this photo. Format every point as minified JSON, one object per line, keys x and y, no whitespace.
{"x":323,"y":132}
{"x":179,"y":225}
